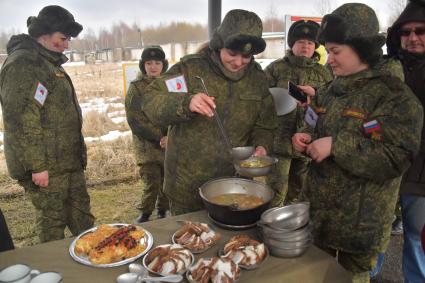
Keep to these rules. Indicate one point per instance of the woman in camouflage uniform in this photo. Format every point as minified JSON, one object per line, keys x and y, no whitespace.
{"x":239,"y":92}
{"x":301,"y":67}
{"x":364,"y":131}
{"x":44,"y":146}
{"x":149,"y":141}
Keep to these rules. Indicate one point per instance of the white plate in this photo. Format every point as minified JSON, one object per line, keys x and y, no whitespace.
{"x":173,"y":239}
{"x":248,"y":267}
{"x":166,"y":245}
{"x":84,"y":260}
{"x":190,"y":279}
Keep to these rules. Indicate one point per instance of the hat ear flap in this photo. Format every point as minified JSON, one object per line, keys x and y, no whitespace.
{"x":37,"y":27}
{"x":216,"y":43}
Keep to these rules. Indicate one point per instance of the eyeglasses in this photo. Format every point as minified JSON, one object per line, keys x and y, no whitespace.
{"x":417,"y":31}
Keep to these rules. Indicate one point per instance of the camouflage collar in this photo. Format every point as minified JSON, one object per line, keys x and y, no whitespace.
{"x":348,"y":84}
{"x":214,"y":58}
{"x":300,"y":61}
{"x":24,"y":41}
{"x":55,"y":57}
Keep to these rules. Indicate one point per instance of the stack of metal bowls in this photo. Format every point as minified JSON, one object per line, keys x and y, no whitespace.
{"x":286,"y":230}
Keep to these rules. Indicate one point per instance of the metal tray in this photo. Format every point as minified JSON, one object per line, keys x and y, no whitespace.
{"x":84,"y":260}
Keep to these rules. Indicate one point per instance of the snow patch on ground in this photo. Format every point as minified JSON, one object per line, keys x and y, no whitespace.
{"x":100,"y":105}
{"x":112,"y":135}
{"x":119,"y":120}
{"x":72,"y":64}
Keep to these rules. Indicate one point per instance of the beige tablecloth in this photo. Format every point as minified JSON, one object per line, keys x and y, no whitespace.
{"x":313,"y":266}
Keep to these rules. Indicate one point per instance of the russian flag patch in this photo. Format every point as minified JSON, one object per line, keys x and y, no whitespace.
{"x":371,"y":126}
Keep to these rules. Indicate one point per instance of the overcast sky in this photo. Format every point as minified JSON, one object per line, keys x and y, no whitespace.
{"x":96,"y":14}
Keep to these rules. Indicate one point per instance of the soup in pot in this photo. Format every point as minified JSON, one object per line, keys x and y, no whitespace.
{"x":241,"y":201}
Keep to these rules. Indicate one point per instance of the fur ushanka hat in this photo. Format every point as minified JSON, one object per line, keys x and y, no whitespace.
{"x":52,"y":19}
{"x":153,"y":52}
{"x":303,"y":30}
{"x":356,"y":25}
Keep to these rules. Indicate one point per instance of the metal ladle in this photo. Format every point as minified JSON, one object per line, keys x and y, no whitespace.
{"x":218,"y":120}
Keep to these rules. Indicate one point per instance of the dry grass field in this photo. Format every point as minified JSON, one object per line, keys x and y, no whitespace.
{"x":112,"y":174}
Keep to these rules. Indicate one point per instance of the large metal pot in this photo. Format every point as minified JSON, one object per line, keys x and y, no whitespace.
{"x":230,"y":215}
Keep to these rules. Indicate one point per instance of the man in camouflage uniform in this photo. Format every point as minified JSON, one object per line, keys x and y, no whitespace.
{"x":301,"y":67}
{"x":149,"y":141}
{"x":238,"y":89}
{"x":43,"y":143}
{"x":406,"y":42}
{"x":365,"y":134}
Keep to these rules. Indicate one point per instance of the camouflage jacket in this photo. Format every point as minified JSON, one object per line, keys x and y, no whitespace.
{"x":146,"y":136}
{"x":42,"y":131}
{"x":375,"y":123}
{"x":301,"y":71}
{"x":196,"y":152}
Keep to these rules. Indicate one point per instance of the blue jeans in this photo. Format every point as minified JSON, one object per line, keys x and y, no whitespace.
{"x":413,"y":212}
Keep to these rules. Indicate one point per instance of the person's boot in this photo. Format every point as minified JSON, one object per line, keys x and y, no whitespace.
{"x":397,"y":227}
{"x":144,"y":217}
{"x":162,"y":214}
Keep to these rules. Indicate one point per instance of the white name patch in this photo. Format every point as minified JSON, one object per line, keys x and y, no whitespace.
{"x":41,"y":93}
{"x":311,"y":117}
{"x":177,"y":84}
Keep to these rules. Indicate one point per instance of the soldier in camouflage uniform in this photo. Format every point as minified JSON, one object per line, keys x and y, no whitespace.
{"x":43,"y":143}
{"x":149,"y":141}
{"x":301,"y":67}
{"x":364,"y":132}
{"x":238,"y":88}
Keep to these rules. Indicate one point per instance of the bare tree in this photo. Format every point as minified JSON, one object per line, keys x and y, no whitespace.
{"x":323,"y":7}
{"x":396,"y":7}
{"x":272,"y":22}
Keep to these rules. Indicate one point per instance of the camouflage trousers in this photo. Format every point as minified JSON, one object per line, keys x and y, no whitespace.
{"x":358,"y":264}
{"x":277,"y":180}
{"x":297,"y":177}
{"x":177,"y":209}
{"x":64,"y":202}
{"x":152,"y":175}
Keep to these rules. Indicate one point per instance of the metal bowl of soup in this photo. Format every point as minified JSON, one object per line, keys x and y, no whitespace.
{"x":235,"y":201}
{"x":255,"y":166}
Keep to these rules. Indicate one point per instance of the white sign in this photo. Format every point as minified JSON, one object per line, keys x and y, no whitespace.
{"x":130,"y":71}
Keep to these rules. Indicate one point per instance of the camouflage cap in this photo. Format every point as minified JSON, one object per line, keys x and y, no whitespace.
{"x":53,"y":19}
{"x":357,"y":25}
{"x":303,"y":30}
{"x":414,"y":12}
{"x":153,"y":52}
{"x":240,"y":30}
